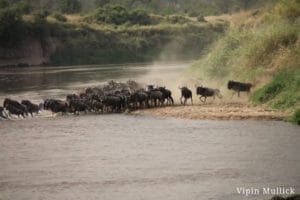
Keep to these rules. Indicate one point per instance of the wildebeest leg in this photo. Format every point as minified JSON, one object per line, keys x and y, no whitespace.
{"x":238,"y":93}
{"x":172,"y":100}
{"x":181,"y":99}
{"x":185,"y":100}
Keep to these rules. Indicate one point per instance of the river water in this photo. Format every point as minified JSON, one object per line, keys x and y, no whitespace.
{"x":122,"y":156}
{"x":37,"y":83}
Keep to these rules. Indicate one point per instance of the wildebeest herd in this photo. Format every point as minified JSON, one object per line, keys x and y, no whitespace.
{"x":114,"y":97}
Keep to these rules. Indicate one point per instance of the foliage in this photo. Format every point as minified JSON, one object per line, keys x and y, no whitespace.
{"x":177,"y":19}
{"x":116,"y":14}
{"x":140,"y":17}
{"x":22,"y":7}
{"x":295,"y":118}
{"x":130,"y":43}
{"x":70,"y":6}
{"x":100,"y":3}
{"x":259,"y":48}
{"x":11,"y":27}
{"x":4,"y":4}
{"x":288,"y":8}
{"x":59,"y":17}
{"x":282,"y":92}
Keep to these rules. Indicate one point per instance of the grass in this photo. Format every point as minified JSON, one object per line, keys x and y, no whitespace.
{"x":102,"y":43}
{"x":282,"y":92}
{"x":261,"y":47}
{"x":295,"y":118}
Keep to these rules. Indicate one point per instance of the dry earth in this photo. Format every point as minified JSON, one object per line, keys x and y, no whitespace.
{"x":220,"y":111}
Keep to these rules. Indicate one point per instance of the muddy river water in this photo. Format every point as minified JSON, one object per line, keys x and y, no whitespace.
{"x":123,"y":156}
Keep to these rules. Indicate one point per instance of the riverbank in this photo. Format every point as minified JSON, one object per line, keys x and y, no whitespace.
{"x":216,"y":111}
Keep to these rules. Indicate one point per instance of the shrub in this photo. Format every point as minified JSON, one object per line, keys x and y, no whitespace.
{"x":22,"y":7}
{"x":296,"y":117}
{"x":4,"y":4}
{"x":70,"y":6}
{"x":201,"y":18}
{"x":177,"y":19}
{"x":100,"y":3}
{"x":59,"y":17}
{"x":282,"y":91}
{"x":11,"y":27}
{"x":112,"y":14}
{"x":140,"y":17}
{"x":40,"y":27}
{"x":288,"y":8}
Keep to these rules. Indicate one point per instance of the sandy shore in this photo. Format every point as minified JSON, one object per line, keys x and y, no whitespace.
{"x":220,"y":111}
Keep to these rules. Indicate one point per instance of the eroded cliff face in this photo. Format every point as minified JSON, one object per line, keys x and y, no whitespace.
{"x":30,"y":52}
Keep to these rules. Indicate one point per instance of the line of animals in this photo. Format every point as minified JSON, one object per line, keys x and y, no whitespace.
{"x":114,"y":97}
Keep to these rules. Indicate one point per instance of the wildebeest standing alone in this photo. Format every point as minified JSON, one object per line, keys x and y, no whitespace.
{"x":239,"y":87}
{"x":205,"y":92}
{"x":186,"y":94}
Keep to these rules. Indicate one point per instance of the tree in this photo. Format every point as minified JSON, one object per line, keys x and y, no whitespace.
{"x":70,"y":6}
{"x":11,"y":27}
{"x":4,"y":4}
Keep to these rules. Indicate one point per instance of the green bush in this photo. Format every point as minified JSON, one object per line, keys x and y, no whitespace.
{"x":3,"y":4}
{"x":40,"y":28}
{"x":112,"y":14}
{"x":22,"y":7}
{"x":12,"y":28}
{"x":295,"y":118}
{"x":201,"y":18}
{"x":115,"y":14}
{"x":100,"y":3}
{"x":282,"y":92}
{"x":177,"y":19}
{"x":70,"y":6}
{"x":140,"y":17}
{"x":288,"y":8}
{"x":59,"y":17}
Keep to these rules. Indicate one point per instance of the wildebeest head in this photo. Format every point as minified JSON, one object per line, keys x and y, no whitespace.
{"x":150,"y":87}
{"x":6,"y":102}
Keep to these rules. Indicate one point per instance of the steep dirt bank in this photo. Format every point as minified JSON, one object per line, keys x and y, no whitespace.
{"x":220,"y":111}
{"x":30,"y":52}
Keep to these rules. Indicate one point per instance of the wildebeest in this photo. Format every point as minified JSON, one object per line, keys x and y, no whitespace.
{"x":2,"y":113}
{"x":15,"y":111}
{"x":186,"y":94}
{"x":56,"y":106}
{"x":112,"y":103}
{"x":76,"y":106}
{"x":155,"y":96}
{"x":205,"y":92}
{"x":70,"y":97}
{"x":15,"y":107}
{"x":239,"y":87}
{"x":167,"y":95}
{"x":31,"y":107}
{"x":139,"y":98}
{"x":97,"y":106}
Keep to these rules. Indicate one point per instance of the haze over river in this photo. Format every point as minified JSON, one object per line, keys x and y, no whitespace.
{"x":122,"y":156}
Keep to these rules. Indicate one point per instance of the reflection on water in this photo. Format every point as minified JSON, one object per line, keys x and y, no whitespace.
{"x":37,"y":82}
